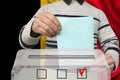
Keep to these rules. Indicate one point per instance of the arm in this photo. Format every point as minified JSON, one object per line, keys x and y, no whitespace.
{"x":25,"y":39}
{"x":43,"y":23}
{"x":109,"y":42}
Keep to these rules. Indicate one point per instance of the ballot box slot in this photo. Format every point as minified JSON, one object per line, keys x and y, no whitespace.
{"x":61,"y":57}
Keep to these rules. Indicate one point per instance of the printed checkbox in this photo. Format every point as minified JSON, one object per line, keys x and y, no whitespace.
{"x":41,"y":74}
{"x":61,"y":73}
{"x":82,"y":73}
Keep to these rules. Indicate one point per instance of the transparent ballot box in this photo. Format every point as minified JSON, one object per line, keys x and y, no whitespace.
{"x":54,"y":64}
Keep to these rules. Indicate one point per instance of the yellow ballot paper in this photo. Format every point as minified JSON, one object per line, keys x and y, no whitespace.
{"x":76,"y":33}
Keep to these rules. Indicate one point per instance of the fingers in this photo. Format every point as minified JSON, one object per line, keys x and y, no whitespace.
{"x":54,"y":19}
{"x":38,"y":28}
{"x":46,"y":23}
{"x":111,"y":67}
{"x":109,"y":58}
{"x":110,"y":61}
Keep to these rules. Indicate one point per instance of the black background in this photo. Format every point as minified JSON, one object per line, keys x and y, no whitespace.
{"x":14,"y":15}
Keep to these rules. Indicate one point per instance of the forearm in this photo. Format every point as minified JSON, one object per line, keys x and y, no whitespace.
{"x":111,"y":46}
{"x":25,"y":39}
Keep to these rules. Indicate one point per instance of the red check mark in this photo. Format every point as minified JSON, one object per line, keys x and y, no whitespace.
{"x":81,"y":71}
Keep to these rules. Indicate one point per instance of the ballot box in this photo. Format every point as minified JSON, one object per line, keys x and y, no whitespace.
{"x":54,"y":64}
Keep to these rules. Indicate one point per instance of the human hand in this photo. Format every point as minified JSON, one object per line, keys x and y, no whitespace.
{"x":110,"y":61}
{"x":47,"y":24}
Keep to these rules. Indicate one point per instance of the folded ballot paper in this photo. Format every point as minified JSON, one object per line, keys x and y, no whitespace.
{"x":76,"y":33}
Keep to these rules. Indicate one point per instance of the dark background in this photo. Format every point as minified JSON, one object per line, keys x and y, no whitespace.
{"x":14,"y":15}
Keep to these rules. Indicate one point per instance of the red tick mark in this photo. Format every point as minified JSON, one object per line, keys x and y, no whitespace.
{"x":81,"y":71}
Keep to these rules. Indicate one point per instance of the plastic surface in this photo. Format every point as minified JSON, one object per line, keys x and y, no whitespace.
{"x":53,"y":64}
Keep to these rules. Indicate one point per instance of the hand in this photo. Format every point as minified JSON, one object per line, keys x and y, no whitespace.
{"x":110,"y":61}
{"x":47,"y":24}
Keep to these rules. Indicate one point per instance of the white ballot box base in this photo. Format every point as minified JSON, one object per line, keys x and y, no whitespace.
{"x":53,"y":64}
